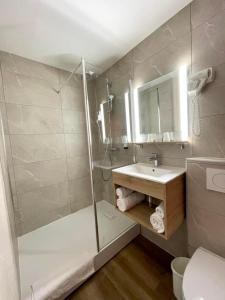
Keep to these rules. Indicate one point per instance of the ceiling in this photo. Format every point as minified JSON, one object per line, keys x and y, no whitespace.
{"x":59,"y":32}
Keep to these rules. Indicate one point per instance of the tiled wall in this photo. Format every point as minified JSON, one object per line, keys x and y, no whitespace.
{"x":205,"y":210}
{"x":46,"y":141}
{"x":194,"y":36}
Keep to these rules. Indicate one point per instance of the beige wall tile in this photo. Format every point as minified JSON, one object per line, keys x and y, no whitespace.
{"x":172,"y":30}
{"x":29,"y":148}
{"x":211,"y":142}
{"x":21,"y":89}
{"x":21,"y":65}
{"x":74,"y":121}
{"x":32,"y":176}
{"x":75,"y":81}
{"x":76,"y":145}
{"x":204,"y":10}
{"x":208,"y":42}
{"x":80,"y":193}
{"x":10,"y":164}
{"x":211,"y":102}
{"x":78,"y":167}
{"x":1,"y":87}
{"x":4,"y":117}
{"x":43,"y":206}
{"x":72,"y":98}
{"x":31,"y":119}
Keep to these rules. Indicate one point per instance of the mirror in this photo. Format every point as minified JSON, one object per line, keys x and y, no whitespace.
{"x":114,"y":120}
{"x":159,"y":109}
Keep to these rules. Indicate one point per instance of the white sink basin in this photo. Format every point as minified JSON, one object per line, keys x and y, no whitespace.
{"x":162,"y":174}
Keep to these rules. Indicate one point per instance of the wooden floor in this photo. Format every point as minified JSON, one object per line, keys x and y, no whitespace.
{"x":141,"y":271}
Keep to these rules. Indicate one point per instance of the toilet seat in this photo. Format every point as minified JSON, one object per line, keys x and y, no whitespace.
{"x":204,"y":277}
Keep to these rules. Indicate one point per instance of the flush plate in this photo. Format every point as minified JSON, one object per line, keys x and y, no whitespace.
{"x":215,"y":180}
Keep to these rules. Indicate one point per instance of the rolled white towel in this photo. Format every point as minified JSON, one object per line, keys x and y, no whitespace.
{"x":157,"y":222}
{"x":130,"y":201}
{"x":123,"y":192}
{"x":160,"y":209}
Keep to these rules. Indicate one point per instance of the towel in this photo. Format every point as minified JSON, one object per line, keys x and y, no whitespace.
{"x":123,"y":192}
{"x":160,"y":209}
{"x":157,"y":222}
{"x":63,"y":279}
{"x":130,"y":201}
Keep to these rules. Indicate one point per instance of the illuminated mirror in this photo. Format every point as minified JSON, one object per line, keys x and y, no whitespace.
{"x":159,"y":109}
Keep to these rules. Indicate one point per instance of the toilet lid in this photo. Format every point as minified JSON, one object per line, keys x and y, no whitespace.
{"x":204,"y":277}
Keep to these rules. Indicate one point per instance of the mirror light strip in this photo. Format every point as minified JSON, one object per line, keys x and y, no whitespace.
{"x":127,"y":110}
{"x":103,"y":123}
{"x":183,"y":102}
{"x":136,"y":116}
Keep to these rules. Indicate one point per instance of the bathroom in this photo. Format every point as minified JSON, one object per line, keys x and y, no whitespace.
{"x":112,"y":112}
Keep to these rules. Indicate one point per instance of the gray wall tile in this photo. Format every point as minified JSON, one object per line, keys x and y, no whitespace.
{"x":1,"y":89}
{"x":76,"y":145}
{"x":175,"y":28}
{"x":204,"y":10}
{"x":78,"y":167}
{"x":31,"y":176}
{"x":74,"y":121}
{"x":72,"y":98}
{"x":208,"y":42}
{"x":21,"y":89}
{"x":4,"y":117}
{"x":32,"y":119}
{"x":43,"y":206}
{"x":29,"y":148}
{"x":211,"y":142}
{"x":80,"y":193}
{"x":21,"y":65}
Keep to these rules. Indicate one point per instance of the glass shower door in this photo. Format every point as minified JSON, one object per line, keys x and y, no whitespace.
{"x":110,"y":138}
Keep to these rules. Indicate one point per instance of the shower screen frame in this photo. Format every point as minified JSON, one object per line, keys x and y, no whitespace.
{"x":90,"y":149}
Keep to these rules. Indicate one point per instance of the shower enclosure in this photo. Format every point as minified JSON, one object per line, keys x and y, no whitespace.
{"x":105,"y":154}
{"x":64,"y":134}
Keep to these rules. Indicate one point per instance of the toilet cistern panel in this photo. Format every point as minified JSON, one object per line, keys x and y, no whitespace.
{"x":215,"y":180}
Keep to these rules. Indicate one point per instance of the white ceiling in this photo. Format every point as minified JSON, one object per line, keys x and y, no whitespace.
{"x":59,"y":32}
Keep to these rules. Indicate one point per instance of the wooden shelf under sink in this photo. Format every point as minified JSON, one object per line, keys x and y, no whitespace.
{"x":172,"y":194}
{"x":141,"y":214}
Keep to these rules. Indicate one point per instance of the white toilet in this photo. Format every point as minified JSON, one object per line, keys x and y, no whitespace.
{"x":204,"y":277}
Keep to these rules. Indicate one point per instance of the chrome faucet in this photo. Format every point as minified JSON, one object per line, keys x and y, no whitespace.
{"x":155,"y":159}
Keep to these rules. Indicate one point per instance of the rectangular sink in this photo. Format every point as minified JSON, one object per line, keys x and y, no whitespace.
{"x":162,"y":174}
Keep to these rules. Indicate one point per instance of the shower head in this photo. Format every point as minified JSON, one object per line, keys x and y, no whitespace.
{"x":110,"y":96}
{"x":91,"y":73}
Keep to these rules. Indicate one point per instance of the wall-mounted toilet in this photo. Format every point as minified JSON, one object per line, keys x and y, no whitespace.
{"x":204,"y":277}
